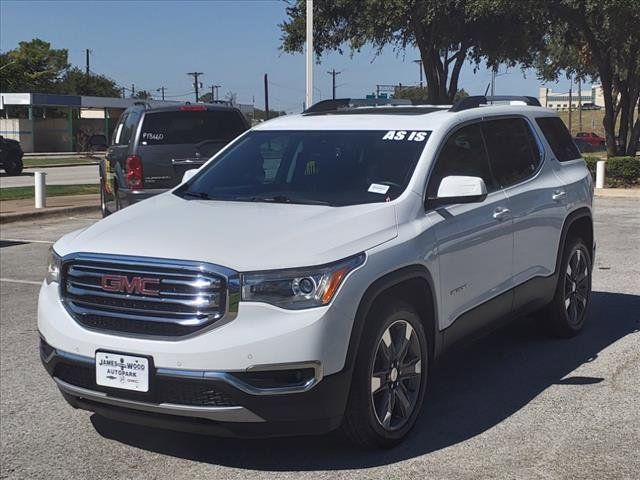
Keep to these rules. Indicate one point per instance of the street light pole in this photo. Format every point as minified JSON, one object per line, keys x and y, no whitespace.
{"x":419,"y":62}
{"x":309,"y":55}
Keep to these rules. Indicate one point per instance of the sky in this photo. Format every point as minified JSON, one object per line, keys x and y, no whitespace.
{"x":154,"y":44}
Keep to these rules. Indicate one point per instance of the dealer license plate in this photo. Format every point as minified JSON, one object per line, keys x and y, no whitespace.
{"x":127,"y":372}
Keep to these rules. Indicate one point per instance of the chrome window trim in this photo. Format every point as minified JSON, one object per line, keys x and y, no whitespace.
{"x":232,"y":280}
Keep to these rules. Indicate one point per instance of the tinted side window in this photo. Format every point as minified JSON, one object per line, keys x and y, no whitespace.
{"x":129,"y":127}
{"x":462,"y":154}
{"x":559,"y":138}
{"x":513,"y":151}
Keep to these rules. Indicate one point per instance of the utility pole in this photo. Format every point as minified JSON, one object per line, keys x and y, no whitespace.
{"x":87,"y":51}
{"x":570,"y":100}
{"x":133,"y":90}
{"x":161,"y":89}
{"x":579,"y":105}
{"x":123,"y":90}
{"x":195,"y":76}
{"x":214,"y":92}
{"x":333,"y":74}
{"x":309,"y":55}
{"x":266,"y":97}
{"x":419,"y":62}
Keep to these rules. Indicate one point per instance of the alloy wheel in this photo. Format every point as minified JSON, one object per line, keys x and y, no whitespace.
{"x":576,"y":287}
{"x":396,"y":375}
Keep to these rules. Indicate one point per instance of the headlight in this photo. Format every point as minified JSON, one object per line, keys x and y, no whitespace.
{"x":53,"y":268}
{"x":296,"y":289}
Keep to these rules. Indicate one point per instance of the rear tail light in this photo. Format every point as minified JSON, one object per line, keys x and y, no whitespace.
{"x":133,"y":173}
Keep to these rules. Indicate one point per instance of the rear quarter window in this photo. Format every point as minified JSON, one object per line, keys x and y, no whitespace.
{"x":559,"y":138}
{"x":182,"y":127}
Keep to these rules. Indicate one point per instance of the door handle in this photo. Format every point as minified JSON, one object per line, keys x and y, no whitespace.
{"x":558,"y":195}
{"x":501,"y":213}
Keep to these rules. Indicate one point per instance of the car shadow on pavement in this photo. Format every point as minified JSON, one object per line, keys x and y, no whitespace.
{"x":470,"y":392}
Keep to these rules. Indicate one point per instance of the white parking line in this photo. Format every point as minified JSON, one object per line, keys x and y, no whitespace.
{"x":26,"y":241}
{"x":14,"y":280}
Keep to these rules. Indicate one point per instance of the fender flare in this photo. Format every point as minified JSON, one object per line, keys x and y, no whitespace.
{"x":374,"y":291}
{"x":575,"y":215}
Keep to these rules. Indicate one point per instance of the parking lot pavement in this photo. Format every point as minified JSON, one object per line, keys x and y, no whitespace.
{"x":73,"y":175}
{"x":513,"y":405}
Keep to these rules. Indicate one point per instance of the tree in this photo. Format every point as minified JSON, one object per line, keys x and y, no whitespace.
{"x":143,"y":95}
{"x":598,"y":39}
{"x":32,"y":67}
{"x":76,"y":82}
{"x":446,"y":33}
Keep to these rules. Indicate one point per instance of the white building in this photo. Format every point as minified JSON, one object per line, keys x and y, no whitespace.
{"x":593,"y":97}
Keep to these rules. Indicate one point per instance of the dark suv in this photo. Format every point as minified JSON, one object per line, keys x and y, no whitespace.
{"x":10,"y":156}
{"x":152,"y":147}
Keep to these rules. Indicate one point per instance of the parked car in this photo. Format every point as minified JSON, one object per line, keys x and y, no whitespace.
{"x":309,"y":276}
{"x":11,"y":156}
{"x":590,"y":106}
{"x":153,"y":146}
{"x":592,"y":139}
{"x":584,"y":146}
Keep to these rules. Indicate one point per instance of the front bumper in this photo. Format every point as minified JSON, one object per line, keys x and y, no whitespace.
{"x":210,"y":402}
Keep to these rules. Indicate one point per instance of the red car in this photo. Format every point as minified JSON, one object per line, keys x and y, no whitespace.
{"x":592,"y":139}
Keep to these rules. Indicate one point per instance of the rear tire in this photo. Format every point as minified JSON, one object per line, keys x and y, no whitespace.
{"x":389,"y":377}
{"x":565,"y":316}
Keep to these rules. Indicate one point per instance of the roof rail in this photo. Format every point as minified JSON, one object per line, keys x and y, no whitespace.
{"x":475,"y":101}
{"x":326,"y":106}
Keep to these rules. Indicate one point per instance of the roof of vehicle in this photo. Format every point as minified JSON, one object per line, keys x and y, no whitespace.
{"x":186,"y":106}
{"x":397,"y":117}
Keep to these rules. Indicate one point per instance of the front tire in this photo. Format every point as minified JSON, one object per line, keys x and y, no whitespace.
{"x":566,"y":314}
{"x":389,"y":378}
{"x":13,"y":166}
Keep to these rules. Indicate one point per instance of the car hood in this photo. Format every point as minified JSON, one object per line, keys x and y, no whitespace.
{"x":239,"y":235}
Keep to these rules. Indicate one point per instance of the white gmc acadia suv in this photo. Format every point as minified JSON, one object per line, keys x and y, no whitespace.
{"x":308,"y":276}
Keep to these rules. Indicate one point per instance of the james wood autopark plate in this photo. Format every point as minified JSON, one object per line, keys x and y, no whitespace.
{"x":127,"y":372}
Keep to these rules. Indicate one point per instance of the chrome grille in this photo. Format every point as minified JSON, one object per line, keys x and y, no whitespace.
{"x":105,"y":292}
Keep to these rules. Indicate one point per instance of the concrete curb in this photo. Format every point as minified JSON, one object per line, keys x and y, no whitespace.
{"x":617,"y":193}
{"x":61,"y":165}
{"x":47,"y":213}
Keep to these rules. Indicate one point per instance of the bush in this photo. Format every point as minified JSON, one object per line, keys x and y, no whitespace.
{"x":619,"y":171}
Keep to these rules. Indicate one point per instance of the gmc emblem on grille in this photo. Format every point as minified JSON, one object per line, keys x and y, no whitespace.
{"x":138,"y":285}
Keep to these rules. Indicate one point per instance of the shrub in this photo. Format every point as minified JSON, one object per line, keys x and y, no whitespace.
{"x":619,"y":171}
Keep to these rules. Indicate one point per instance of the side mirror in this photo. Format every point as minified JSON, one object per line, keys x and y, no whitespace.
{"x":461,"y":189}
{"x":188,"y":175}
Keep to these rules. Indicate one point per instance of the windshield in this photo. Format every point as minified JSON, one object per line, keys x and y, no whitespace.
{"x":312,"y":167}
{"x":180,"y":127}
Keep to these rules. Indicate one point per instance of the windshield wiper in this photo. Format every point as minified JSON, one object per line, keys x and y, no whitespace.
{"x":201,"y":195}
{"x":286,"y":199}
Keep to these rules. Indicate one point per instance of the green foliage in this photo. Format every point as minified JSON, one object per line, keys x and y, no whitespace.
{"x":76,"y":82}
{"x":32,"y":67}
{"x":36,"y":67}
{"x":619,"y":171}
{"x":259,"y":114}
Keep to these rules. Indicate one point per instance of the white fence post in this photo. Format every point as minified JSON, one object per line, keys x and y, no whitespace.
{"x":41,"y":189}
{"x":600,"y":174}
